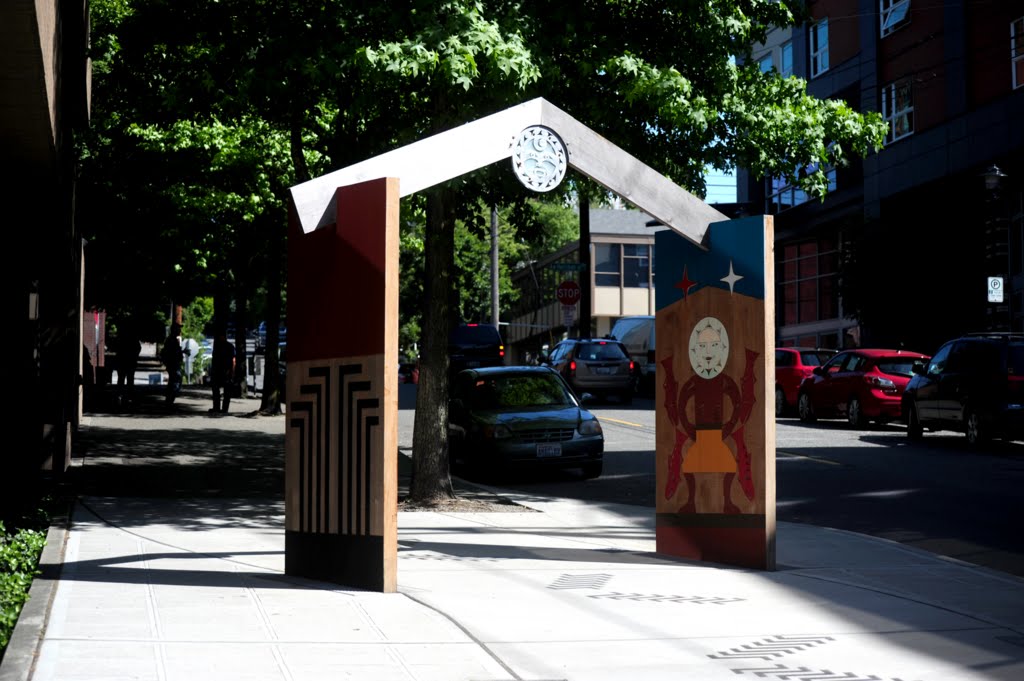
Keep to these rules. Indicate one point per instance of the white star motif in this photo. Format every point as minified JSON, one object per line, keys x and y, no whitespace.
{"x":731,"y":278}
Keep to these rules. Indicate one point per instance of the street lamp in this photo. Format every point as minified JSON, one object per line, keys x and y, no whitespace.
{"x":997,"y":249}
{"x":993,"y":177}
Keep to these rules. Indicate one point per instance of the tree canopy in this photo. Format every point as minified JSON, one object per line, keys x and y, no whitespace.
{"x":206,"y":112}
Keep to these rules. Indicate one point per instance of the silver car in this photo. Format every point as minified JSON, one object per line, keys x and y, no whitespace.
{"x":600,"y":366}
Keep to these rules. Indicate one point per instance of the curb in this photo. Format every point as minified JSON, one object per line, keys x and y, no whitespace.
{"x":22,"y":650}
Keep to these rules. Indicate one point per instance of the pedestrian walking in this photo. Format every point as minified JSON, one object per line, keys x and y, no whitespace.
{"x":128,"y":349}
{"x":222,"y":372}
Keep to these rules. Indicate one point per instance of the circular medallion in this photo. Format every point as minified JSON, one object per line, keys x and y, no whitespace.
{"x":539,"y":158}
{"x":709,"y":347}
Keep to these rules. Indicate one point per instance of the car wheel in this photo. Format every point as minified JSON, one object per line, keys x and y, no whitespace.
{"x":805,"y":408}
{"x":854,"y":413}
{"x":914,"y":429}
{"x":974,"y":428}
{"x":780,"y":402}
{"x":592,"y":470}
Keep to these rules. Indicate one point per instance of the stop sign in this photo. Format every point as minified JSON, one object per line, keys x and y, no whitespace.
{"x":568,"y":293}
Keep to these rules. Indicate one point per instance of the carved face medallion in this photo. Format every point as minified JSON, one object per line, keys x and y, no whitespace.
{"x":709,"y":347}
{"x":539,"y":158}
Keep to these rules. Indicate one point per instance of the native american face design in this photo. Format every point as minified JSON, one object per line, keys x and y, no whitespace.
{"x":709,"y":347}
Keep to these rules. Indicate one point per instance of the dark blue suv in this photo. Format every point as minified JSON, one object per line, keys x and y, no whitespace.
{"x":471,"y":346}
{"x":973,"y":384}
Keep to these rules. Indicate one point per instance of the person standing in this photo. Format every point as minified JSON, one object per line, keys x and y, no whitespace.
{"x":172,"y":355}
{"x":128,"y":350}
{"x":222,"y":372}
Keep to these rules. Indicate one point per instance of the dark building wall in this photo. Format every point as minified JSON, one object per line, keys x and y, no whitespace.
{"x":915,"y":220}
{"x":988,"y":48}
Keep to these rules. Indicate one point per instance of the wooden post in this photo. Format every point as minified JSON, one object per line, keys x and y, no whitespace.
{"x":715,"y":411}
{"x":341,"y":438}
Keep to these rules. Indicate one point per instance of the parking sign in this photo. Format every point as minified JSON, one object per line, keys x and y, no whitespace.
{"x":995,"y":289}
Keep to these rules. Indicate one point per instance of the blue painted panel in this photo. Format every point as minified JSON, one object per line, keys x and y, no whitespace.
{"x":739,"y":243}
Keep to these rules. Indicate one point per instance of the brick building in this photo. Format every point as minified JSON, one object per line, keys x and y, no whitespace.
{"x":901,"y":250}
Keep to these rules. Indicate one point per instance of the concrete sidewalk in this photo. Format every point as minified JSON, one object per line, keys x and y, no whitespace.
{"x":179,"y":576}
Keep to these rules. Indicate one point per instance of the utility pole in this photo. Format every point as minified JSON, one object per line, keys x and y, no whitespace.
{"x":495,"y":317}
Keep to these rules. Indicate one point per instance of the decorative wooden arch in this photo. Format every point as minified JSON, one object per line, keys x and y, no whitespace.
{"x":341,"y":437}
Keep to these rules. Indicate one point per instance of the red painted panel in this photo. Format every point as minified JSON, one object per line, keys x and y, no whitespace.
{"x":336,"y":284}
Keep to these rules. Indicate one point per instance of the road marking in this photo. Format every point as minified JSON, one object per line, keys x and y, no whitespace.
{"x":625,"y":423}
{"x":809,"y":458}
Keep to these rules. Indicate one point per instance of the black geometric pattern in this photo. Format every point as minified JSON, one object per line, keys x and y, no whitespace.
{"x":580,"y":581}
{"x":659,"y":598}
{"x":775,"y":646}
{"x":440,"y":557}
{"x":785,"y":673}
{"x":345,"y":487}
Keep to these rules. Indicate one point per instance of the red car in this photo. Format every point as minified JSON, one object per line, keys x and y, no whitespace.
{"x":861,"y":385}
{"x":792,"y":366}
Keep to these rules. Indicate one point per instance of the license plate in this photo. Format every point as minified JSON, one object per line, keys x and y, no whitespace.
{"x":547,"y":450}
{"x":602,"y":371}
{"x":472,"y":364}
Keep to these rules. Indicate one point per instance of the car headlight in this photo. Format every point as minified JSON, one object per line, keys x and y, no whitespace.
{"x":589,"y":427}
{"x":498,"y":432}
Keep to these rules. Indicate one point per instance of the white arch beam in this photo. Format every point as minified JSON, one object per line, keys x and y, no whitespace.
{"x":479,"y":143}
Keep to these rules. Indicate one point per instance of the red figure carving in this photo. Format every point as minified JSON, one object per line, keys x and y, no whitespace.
{"x":701,"y":444}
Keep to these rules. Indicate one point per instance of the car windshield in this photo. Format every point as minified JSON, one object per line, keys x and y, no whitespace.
{"x":514,"y":392}
{"x":600,"y":351}
{"x":1015,"y":360}
{"x":814,"y":358}
{"x":898,"y":366}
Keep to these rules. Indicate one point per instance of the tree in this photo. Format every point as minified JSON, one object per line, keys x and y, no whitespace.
{"x":661,"y":82}
{"x":203,"y":93}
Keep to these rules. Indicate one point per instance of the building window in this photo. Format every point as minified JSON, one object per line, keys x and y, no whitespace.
{"x":606,"y":265}
{"x":787,"y":59}
{"x":766,"y":63}
{"x":808,"y":274}
{"x":893,"y":14}
{"x":898,"y":109}
{"x":782,"y":194}
{"x":636,"y":266}
{"x":1017,"y":52}
{"x":819,"y":48}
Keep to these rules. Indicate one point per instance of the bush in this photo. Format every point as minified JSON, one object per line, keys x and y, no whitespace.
{"x":19,"y":565}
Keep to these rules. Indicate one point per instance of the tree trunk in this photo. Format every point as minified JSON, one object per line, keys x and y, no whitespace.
{"x":430,"y":477}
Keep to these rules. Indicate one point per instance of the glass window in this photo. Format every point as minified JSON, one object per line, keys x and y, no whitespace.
{"x":898,"y":109}
{"x":600,"y":351}
{"x":892,"y":14}
{"x":766,"y":63}
{"x":1017,"y":52}
{"x":784,"y":358}
{"x":808,"y":281}
{"x":787,"y":59}
{"x":509,"y":392}
{"x":636,"y":265}
{"x":606,"y":267}
{"x":819,"y":48}
{"x":897,"y":366}
{"x":813,"y":358}
{"x":938,"y":362}
{"x":836,"y":363}
{"x":788,"y":301}
{"x":783,"y":196}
